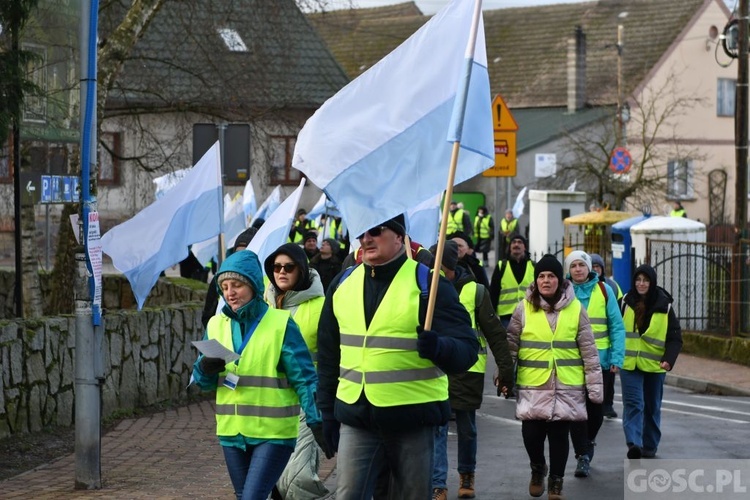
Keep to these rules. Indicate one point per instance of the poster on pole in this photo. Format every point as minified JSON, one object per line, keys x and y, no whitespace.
{"x":94,"y":252}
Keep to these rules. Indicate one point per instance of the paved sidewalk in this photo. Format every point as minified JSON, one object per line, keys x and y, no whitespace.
{"x":175,"y":454}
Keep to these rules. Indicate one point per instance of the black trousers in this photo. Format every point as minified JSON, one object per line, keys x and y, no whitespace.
{"x":608,"y":379}
{"x":581,"y":433}
{"x":534,"y":434}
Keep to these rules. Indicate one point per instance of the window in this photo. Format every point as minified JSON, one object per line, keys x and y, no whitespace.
{"x":109,"y":158}
{"x":282,"y":172}
{"x":725,"y":92}
{"x":680,"y":179}
{"x":35,"y":105}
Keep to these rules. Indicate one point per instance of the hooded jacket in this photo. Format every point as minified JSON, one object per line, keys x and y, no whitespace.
{"x":294,"y":359}
{"x":657,"y":300}
{"x":554,"y":400}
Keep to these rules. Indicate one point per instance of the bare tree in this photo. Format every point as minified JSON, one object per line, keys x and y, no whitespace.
{"x":652,"y":140}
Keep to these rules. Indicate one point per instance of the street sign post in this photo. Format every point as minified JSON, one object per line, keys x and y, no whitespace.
{"x":620,"y":161}
{"x":505,"y":128}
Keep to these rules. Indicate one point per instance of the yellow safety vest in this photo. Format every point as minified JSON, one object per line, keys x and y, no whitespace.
{"x":382,"y":359}
{"x":677,"y":213}
{"x":508,"y":226}
{"x":646,"y":351}
{"x":597,"y":311}
{"x":263,"y":405}
{"x":307,"y":317}
{"x":540,"y":351}
{"x":455,"y":221}
{"x":482,"y":227}
{"x":512,"y":292}
{"x":468,"y":298}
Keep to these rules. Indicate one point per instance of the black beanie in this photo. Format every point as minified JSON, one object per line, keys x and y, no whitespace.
{"x":549,"y":263}
{"x":463,"y":236}
{"x":397,"y":225}
{"x":245,"y":237}
{"x":450,"y":254}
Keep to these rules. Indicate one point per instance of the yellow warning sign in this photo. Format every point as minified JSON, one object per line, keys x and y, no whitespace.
{"x":505,"y":156}
{"x":502,"y":119}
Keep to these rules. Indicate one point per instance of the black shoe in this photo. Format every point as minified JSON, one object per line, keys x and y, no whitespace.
{"x":634,"y":452}
{"x":583,"y":466}
{"x":646,"y":453}
{"x":610,"y":412}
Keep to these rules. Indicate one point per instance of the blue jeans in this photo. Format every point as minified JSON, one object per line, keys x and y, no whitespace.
{"x":466,"y":427}
{"x":641,"y":400}
{"x":363,"y":453}
{"x":254,"y":471}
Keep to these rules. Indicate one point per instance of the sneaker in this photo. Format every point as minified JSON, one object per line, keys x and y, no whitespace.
{"x":466,"y":490}
{"x":583,"y":466}
{"x":610,"y":412}
{"x":634,"y":452}
{"x":439,"y":494}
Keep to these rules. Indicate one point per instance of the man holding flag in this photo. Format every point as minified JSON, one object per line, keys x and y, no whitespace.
{"x":393,"y":388}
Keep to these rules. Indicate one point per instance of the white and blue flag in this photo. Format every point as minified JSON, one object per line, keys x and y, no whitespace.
{"x":249,"y":203}
{"x":269,"y":206}
{"x":383,"y":143}
{"x":423,"y":222}
{"x":158,"y":236}
{"x":275,"y":231}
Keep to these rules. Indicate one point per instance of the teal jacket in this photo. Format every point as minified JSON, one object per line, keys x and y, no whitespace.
{"x":615,"y":355}
{"x":294,"y":358}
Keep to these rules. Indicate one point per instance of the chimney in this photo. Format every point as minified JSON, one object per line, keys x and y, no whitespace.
{"x":577,"y":71}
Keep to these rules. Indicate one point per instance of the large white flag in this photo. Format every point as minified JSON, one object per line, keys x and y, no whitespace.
{"x":519,"y":205}
{"x":275,"y":231}
{"x":158,"y":236}
{"x":383,"y":143}
{"x":249,"y":203}
{"x":234,"y":224}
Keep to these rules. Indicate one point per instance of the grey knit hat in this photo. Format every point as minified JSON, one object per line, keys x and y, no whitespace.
{"x":231,"y":275}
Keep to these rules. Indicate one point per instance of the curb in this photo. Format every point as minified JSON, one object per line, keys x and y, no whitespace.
{"x":704,"y":386}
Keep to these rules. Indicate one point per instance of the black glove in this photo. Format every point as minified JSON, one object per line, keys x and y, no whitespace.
{"x":212,"y":366}
{"x":317,"y":431}
{"x":428,"y":344}
{"x":331,"y":428}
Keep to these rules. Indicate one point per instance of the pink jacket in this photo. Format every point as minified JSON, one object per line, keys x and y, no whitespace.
{"x":554,"y":400}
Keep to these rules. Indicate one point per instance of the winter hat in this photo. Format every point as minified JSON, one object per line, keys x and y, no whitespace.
{"x":518,"y":236}
{"x":231,"y":275}
{"x":301,"y":211}
{"x":450,"y":254}
{"x":245,"y":237}
{"x":549,"y":263}
{"x":311,"y":235}
{"x":596,"y":260}
{"x":577,"y":255}
{"x":257,"y":223}
{"x":397,"y":225}
{"x":463,"y":236}
{"x":298,"y":256}
{"x":334,"y":244}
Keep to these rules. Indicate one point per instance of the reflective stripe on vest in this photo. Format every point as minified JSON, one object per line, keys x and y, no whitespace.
{"x":597,"y":311}
{"x":482,"y":227}
{"x":512,"y":292}
{"x":646,"y":351}
{"x":382,"y":359}
{"x":263,"y":405}
{"x":540,"y":350}
{"x":468,"y":298}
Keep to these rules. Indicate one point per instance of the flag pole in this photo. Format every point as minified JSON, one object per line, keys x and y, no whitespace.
{"x":459,"y":110}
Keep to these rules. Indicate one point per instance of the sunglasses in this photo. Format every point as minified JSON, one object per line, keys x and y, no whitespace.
{"x":288,"y":267}
{"x":374,"y":232}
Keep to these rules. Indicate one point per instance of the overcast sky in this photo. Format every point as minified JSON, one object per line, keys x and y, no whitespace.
{"x":432,"y":6}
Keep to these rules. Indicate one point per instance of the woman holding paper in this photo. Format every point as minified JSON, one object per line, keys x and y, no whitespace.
{"x":258,"y":396}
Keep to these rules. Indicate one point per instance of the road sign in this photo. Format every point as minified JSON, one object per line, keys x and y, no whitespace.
{"x":59,"y":189}
{"x":620,"y":161}
{"x":505,"y":156}
{"x":502,"y":119}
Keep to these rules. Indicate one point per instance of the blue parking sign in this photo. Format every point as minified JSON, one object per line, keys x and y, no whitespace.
{"x":67,"y":184}
{"x":74,"y":189}
{"x":46,"y":189}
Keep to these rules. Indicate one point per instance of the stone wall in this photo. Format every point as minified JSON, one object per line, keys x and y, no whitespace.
{"x":147,"y":358}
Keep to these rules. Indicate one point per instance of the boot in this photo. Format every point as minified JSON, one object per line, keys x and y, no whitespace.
{"x":536,"y":485}
{"x":439,"y":494}
{"x":582,"y":467}
{"x":554,"y":487}
{"x":466,"y":488}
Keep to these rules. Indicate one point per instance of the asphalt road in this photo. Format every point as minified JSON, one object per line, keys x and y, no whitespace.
{"x":694,"y":426}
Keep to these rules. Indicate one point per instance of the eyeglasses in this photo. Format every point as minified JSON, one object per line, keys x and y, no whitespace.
{"x":288,"y":267}
{"x":374,"y":232}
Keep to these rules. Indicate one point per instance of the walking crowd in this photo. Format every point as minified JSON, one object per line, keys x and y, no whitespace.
{"x":335,"y":353}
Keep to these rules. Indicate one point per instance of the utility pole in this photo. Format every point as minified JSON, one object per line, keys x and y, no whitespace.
{"x":620,"y":99}
{"x":15,"y":35}
{"x":741,"y":148}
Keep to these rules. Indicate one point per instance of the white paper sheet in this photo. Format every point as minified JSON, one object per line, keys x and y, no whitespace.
{"x":213,"y":349}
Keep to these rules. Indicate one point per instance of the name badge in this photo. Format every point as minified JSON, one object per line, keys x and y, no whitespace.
{"x":230,"y":381}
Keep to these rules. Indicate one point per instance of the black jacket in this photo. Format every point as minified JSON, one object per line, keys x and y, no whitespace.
{"x":458,"y":352}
